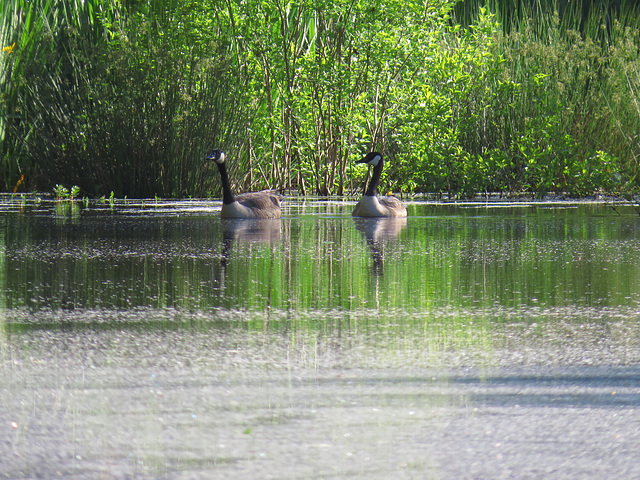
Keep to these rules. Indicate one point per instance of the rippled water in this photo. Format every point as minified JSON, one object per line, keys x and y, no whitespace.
{"x":151,"y":339}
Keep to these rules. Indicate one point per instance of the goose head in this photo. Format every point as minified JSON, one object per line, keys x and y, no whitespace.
{"x":217,"y":156}
{"x":372,"y":158}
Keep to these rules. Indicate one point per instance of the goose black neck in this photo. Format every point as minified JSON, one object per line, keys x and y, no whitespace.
{"x":375,"y":179}
{"x":227,"y":196}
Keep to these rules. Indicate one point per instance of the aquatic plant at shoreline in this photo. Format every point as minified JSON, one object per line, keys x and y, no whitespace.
{"x":127,"y":98}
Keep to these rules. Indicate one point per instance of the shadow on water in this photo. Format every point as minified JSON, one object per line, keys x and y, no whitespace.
{"x":555,"y":387}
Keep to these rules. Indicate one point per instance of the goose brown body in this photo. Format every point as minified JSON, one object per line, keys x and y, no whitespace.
{"x":263,"y":204}
{"x":373,"y":205}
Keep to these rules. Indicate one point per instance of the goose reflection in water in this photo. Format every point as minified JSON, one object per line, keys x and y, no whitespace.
{"x":245,"y":231}
{"x":248,"y":231}
{"x":378,"y":232}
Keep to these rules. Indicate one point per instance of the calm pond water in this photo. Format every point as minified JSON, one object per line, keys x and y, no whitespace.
{"x":153,"y":340}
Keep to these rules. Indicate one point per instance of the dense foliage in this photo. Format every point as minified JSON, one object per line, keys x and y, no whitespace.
{"x":127,"y":97}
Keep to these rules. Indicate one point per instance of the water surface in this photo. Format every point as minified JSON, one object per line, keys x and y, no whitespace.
{"x":151,"y":339}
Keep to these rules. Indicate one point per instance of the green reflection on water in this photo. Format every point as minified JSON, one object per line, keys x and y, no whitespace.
{"x":487,"y":261}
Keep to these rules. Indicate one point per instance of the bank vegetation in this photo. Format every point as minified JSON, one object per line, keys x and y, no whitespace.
{"x":463,"y":98}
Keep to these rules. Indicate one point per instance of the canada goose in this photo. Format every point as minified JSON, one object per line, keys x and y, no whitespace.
{"x":264,"y":204}
{"x":371,"y":204}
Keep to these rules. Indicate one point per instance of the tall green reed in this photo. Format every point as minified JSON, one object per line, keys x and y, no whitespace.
{"x":115,"y":99}
{"x":560,"y":105}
